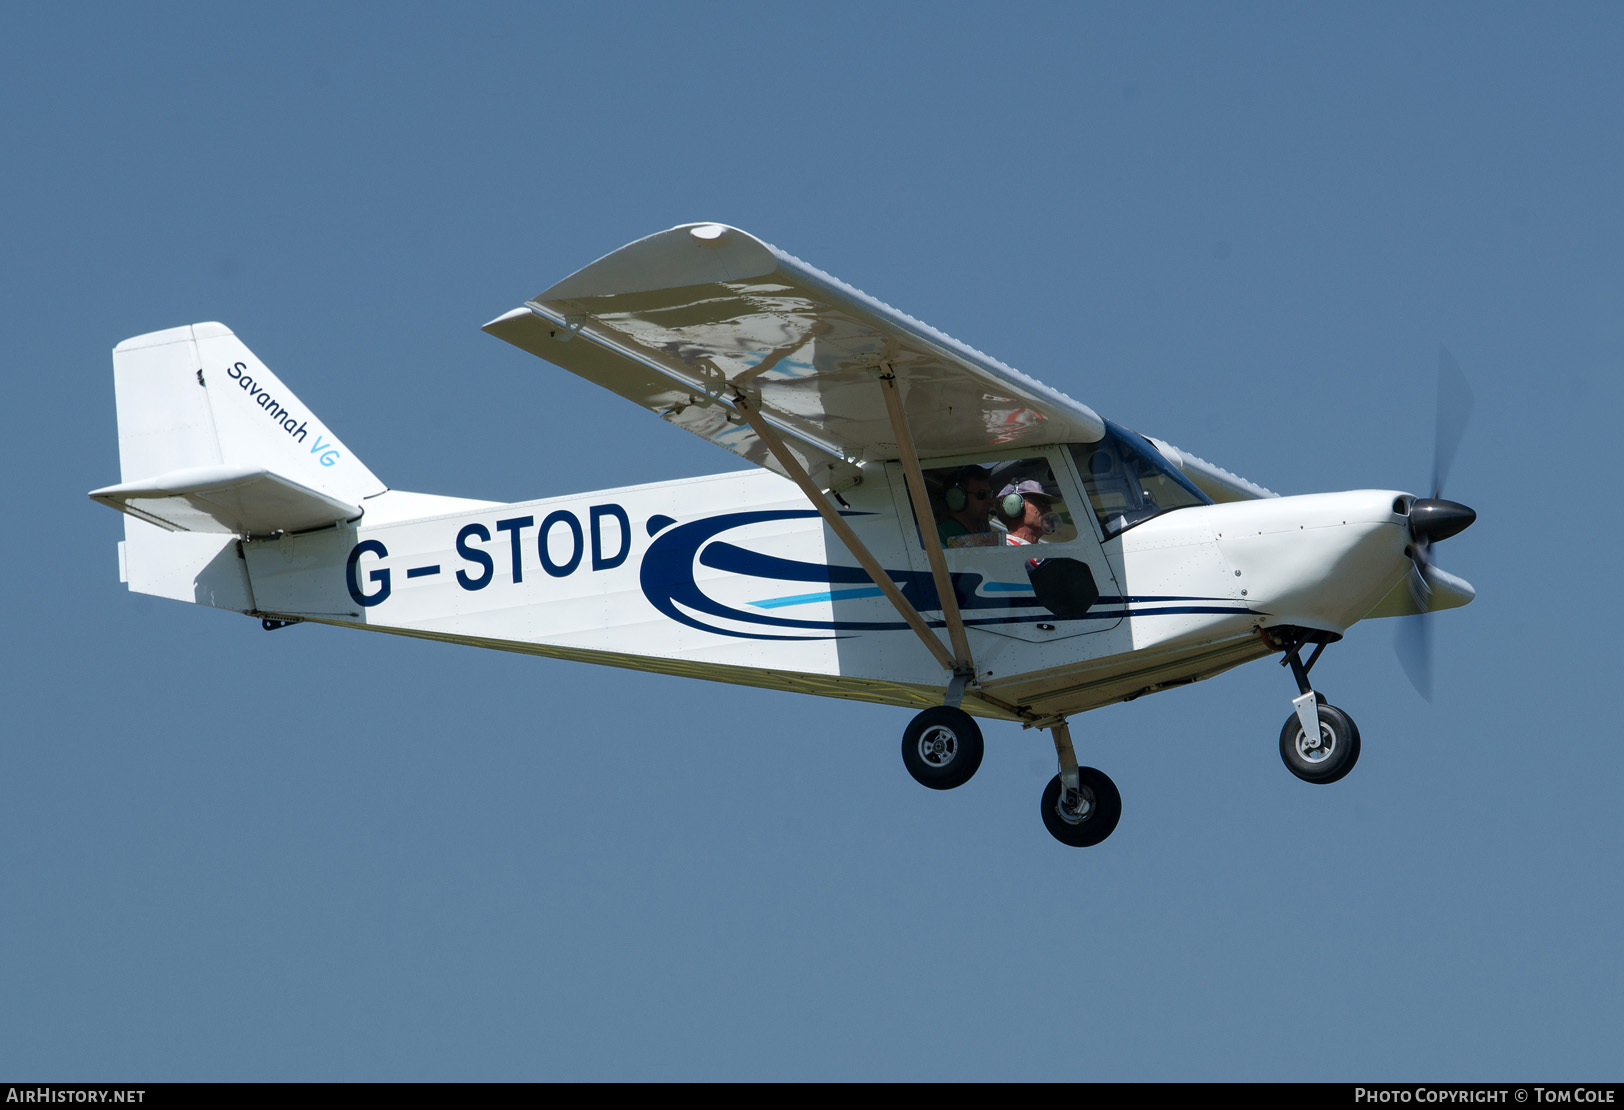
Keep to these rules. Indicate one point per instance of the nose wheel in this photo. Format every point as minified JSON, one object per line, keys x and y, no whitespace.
{"x":1323,"y":758}
{"x":1318,"y":743}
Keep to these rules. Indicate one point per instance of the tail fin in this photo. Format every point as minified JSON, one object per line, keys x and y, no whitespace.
{"x":209,"y":440}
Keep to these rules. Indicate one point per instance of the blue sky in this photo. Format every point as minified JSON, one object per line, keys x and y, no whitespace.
{"x":1245,"y":229}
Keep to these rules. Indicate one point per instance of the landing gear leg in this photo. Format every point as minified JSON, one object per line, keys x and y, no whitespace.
{"x":1318,"y":743}
{"x":1081,"y":806}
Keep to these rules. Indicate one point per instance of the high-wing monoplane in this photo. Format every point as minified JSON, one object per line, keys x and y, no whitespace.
{"x":927,"y":527}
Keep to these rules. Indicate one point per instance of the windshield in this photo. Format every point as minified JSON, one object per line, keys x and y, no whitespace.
{"x":1129,"y":481}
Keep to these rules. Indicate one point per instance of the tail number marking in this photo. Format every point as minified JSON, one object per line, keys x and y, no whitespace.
{"x":561,"y":544}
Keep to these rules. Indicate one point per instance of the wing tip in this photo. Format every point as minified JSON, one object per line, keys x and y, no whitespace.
{"x":510,"y":315}
{"x":688,"y":254}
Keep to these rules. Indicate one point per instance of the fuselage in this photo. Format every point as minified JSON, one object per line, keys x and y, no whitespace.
{"x":734,"y":577}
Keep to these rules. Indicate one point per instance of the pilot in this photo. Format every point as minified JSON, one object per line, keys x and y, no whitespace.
{"x":1024,"y":509}
{"x":969,"y":508}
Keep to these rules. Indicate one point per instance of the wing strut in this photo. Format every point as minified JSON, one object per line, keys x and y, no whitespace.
{"x":963,"y":665}
{"x":746,"y":403}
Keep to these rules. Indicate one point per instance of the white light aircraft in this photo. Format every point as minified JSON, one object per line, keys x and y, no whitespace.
{"x":927,"y":527}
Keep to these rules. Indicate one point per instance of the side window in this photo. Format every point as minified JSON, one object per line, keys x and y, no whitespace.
{"x":999,"y":503}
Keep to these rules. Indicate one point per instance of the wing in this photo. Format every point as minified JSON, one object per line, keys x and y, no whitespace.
{"x":684,"y":320}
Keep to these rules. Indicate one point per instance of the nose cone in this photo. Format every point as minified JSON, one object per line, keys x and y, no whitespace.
{"x":1433,"y":519}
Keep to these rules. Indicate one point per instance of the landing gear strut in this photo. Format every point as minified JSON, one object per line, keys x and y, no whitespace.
{"x":1319,"y":743}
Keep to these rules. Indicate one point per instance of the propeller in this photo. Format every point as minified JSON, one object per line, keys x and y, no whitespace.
{"x":1433,"y":519}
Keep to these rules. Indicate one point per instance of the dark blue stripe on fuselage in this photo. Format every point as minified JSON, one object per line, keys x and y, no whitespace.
{"x":667,"y":579}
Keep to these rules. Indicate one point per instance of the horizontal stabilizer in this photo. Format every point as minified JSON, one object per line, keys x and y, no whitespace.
{"x":235,"y":500}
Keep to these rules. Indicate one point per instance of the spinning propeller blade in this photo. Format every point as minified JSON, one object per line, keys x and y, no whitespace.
{"x":1433,"y":519}
{"x":1454,"y":409}
{"x":1413,"y":644}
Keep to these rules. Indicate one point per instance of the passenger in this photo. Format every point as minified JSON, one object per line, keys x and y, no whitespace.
{"x":969,"y":509}
{"x":1028,"y":524}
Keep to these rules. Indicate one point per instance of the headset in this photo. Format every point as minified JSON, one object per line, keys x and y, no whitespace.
{"x":954,"y":496}
{"x":1011,"y":505}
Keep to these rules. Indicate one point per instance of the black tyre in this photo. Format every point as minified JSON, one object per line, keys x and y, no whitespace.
{"x":1096,"y":813}
{"x":942,"y":747}
{"x":1331,"y":758}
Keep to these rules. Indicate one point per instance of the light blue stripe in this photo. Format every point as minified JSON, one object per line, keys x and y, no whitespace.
{"x":1007,"y":587}
{"x":826,"y":595}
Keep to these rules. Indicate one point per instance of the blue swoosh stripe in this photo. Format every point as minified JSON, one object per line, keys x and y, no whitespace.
{"x":807,"y":599}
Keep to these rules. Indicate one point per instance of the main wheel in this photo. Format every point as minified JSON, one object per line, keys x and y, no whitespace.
{"x":942,"y":747}
{"x":1087,"y":817}
{"x":1327,"y":759}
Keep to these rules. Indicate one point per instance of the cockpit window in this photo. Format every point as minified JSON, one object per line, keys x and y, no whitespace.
{"x":1129,"y":481}
{"x":999,"y":503}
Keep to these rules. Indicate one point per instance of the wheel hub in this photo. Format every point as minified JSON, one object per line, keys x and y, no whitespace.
{"x":1318,"y":749}
{"x":1076,"y":806}
{"x":938,"y":746}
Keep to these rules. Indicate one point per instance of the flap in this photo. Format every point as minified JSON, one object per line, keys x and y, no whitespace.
{"x":682,"y":320}
{"x":241,"y":501}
